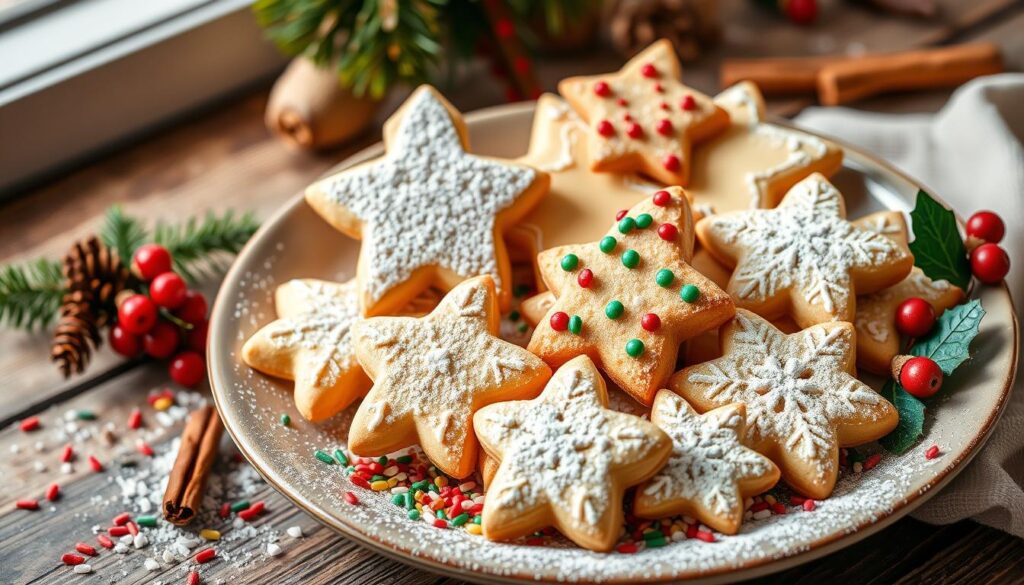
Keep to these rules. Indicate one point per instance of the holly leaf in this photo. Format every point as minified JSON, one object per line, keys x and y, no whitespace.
{"x":937,"y":247}
{"x":911,"y":425}
{"x":949,"y":342}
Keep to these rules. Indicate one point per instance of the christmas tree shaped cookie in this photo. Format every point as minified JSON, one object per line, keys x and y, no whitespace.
{"x":428,"y":212}
{"x":431,"y":374}
{"x":642,"y":118}
{"x":803,"y":258}
{"x":628,"y":300}
{"x":710,"y":471}
{"x":802,"y":398}
{"x":565,"y":460}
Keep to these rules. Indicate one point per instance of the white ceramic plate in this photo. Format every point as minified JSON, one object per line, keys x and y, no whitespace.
{"x":296,"y":243}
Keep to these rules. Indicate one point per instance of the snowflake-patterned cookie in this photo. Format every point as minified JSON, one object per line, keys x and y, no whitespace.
{"x":710,"y":471}
{"x":802,"y":397}
{"x":428,"y":212}
{"x":431,"y":374}
{"x":565,"y":460}
{"x":803,"y":258}
{"x":642,"y":118}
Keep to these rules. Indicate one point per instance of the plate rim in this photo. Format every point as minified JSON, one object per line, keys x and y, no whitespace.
{"x":754,"y":568}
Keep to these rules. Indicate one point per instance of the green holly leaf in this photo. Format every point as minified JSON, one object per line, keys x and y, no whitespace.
{"x":911,"y":425}
{"x":937,"y":247}
{"x":949,"y":342}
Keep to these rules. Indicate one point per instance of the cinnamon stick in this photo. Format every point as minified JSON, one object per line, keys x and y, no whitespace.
{"x":198,"y":451}
{"x":855,"y":79}
{"x":777,"y":76}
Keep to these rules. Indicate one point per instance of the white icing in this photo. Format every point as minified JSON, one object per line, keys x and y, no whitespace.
{"x":427,"y":202}
{"x":568,"y":137}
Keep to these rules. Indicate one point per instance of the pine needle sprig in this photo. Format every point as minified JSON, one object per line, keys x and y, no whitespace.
{"x":30,"y":295}
{"x":122,"y":233}
{"x":200,"y":248}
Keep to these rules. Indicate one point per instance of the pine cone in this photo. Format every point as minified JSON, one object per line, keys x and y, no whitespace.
{"x":691,"y":25}
{"x":93,"y":276}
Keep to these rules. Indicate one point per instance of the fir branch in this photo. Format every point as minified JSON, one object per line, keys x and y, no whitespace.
{"x":122,"y":233}
{"x":199,"y":248}
{"x":30,"y":295}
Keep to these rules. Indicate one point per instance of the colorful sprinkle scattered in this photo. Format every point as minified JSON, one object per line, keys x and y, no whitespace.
{"x":689,"y":293}
{"x":104,"y":541}
{"x":585,"y":278}
{"x":608,"y":244}
{"x":135,"y":419}
{"x":67,"y":454}
{"x":575,"y":324}
{"x":664,"y":277}
{"x":668,"y":232}
{"x":661,"y":198}
{"x":569,"y":262}
{"x":559,"y":321}
{"x":72,"y":559}
{"x":206,"y":555}
{"x":147,"y":521}
{"x":323,"y":456}
{"x":192,"y":578}
{"x":650,"y":322}
{"x":286,"y":421}
{"x":634,"y":348}
{"x":614,"y":310}
{"x":27,"y":504}
{"x":209,"y":534}
{"x":95,"y":464}
{"x":53,"y":492}
{"x":630,"y":258}
{"x":872,"y":461}
{"x":644,"y":220}
{"x":86,"y":549}
{"x":351,"y":498}
{"x":240,"y":505}
{"x":932,"y":452}
{"x":626,"y":225}
{"x":29,"y":424}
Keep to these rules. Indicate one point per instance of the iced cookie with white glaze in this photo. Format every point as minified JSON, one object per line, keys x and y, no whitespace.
{"x":565,"y":460}
{"x":428,"y":212}
{"x":801,"y":393}
{"x":710,"y":471}
{"x":432,"y":373}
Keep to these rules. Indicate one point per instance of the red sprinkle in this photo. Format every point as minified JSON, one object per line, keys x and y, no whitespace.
{"x":351,"y":498}
{"x":144,"y":448}
{"x":650,"y":322}
{"x":559,"y":321}
{"x":809,"y":505}
{"x":602,"y":89}
{"x":86,"y":549}
{"x":29,"y":424}
{"x":779,"y":508}
{"x":932,"y":452}
{"x":797,"y":500}
{"x":438,"y":523}
{"x":192,"y":578}
{"x":649,"y":70}
{"x":688,"y":103}
{"x":758,"y":506}
{"x":667,"y":232}
{"x":621,"y":214}
{"x":691,"y":531}
{"x":53,"y":492}
{"x":122,"y":519}
{"x":359,"y":481}
{"x":626,"y":548}
{"x":585,"y":277}
{"x":133,"y":528}
{"x":27,"y":504}
{"x":225,"y":510}
{"x":661,"y":198}
{"x":206,"y":555}
{"x":72,"y":559}
{"x":664,"y":127}
{"x":665,"y":106}
{"x":671,"y":162}
{"x":705,"y":536}
{"x":117,"y":531}
{"x":535,"y":541}
{"x":67,"y":454}
{"x":605,"y":128}
{"x":252,"y":511}
{"x":104,"y":541}
{"x":658,"y":88}
{"x":622,"y":102}
{"x":95,"y":464}
{"x":634,"y":130}
{"x":135,"y":419}
{"x":872,"y":461}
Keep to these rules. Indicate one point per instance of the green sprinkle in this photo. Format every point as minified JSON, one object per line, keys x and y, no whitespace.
{"x":460,"y":519}
{"x":608,"y":244}
{"x":286,"y":420}
{"x":414,"y":514}
{"x":239,"y":506}
{"x":383,"y":460}
{"x":656,"y":542}
{"x":477,"y":519}
{"x":513,"y":316}
{"x":431,"y":487}
{"x":630,"y":258}
{"x":634,"y":347}
{"x":626,"y":225}
{"x":440,"y":514}
{"x":398,"y":499}
{"x":404,"y":459}
{"x":378,"y":477}
{"x":85,"y":415}
{"x":575,"y":324}
{"x":653,"y":534}
{"x":349,"y":470}
{"x":689,"y":293}
{"x":613,"y":310}
{"x":664,"y":277}
{"x":322,"y":456}
{"x":644,"y":220}
{"x":147,"y":521}
{"x":410,"y":501}
{"x":419,"y":486}
{"x":569,"y":262}
{"x":520,"y":290}
{"x":340,"y":456}
{"x":522,"y":327}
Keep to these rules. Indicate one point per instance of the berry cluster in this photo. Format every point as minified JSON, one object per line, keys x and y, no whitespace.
{"x":168,"y":321}
{"x":989,"y":262}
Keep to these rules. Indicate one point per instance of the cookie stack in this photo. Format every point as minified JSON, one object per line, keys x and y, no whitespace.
{"x":683,"y":248}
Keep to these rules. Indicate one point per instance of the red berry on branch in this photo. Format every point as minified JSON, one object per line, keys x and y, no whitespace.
{"x":137,"y":314}
{"x":124,"y":343}
{"x":915,"y":317}
{"x":921,"y":377}
{"x":187,"y":369}
{"x":987,"y":226}
{"x":168,"y":290}
{"x":559,"y":321}
{"x":990,"y":263}
{"x":161,"y":341}
{"x":193,"y":309}
{"x":196,"y":338}
{"x":802,"y":11}
{"x":151,"y":260}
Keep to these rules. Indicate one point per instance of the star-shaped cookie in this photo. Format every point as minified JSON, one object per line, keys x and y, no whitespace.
{"x":310,"y":343}
{"x":565,"y":459}
{"x":710,"y":471}
{"x":632,"y":295}
{"x":754,"y":162}
{"x":431,"y":374}
{"x":428,"y":212}
{"x":642,"y":118}
{"x":803,"y":258}
{"x":802,"y":397}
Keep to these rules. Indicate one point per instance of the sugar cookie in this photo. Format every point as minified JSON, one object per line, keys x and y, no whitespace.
{"x":431,"y":374}
{"x":642,"y":118}
{"x":803,"y":258}
{"x":629,"y":300}
{"x":710,"y":471}
{"x":428,"y":212}
{"x":802,"y":397}
{"x":565,"y":459}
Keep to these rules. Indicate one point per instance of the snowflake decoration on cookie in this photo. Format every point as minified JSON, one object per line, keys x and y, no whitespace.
{"x":802,"y":397}
{"x":428,"y":212}
{"x":565,"y":459}
{"x":710,"y":471}
{"x":431,"y":374}
{"x":803,"y":256}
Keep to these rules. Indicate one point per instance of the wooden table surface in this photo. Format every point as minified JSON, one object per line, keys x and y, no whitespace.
{"x":223,"y":158}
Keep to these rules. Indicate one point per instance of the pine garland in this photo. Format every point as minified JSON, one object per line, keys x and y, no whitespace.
{"x":200,"y":249}
{"x":30,"y":294}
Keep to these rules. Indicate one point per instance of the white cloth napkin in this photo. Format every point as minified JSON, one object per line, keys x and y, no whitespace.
{"x":971,"y":153}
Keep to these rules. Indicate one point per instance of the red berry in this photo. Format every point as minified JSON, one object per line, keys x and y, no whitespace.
{"x":605,"y":128}
{"x":151,"y":260}
{"x":124,"y":343}
{"x":670,"y":162}
{"x":602,"y":89}
{"x":196,"y":338}
{"x":990,"y":263}
{"x":650,"y":322}
{"x":688,"y":103}
{"x":987,"y":226}
{"x":921,"y":377}
{"x":915,"y":317}
{"x":187,"y":368}
{"x":559,"y":321}
{"x":137,"y":314}
{"x":661,"y":198}
{"x":667,"y":232}
{"x":161,"y":341}
{"x":168,"y":290}
{"x":193,"y":310}
{"x":802,"y":11}
{"x":585,"y":278}
{"x":664,"y":127}
{"x":649,"y":70}
{"x":634,"y":130}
